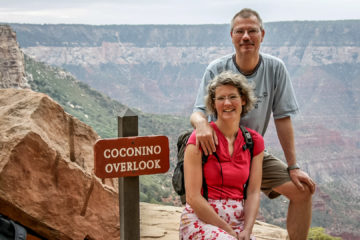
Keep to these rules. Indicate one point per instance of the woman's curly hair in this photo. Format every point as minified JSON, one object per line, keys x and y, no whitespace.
{"x":246,"y":91}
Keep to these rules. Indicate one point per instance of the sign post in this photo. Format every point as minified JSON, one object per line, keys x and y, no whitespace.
{"x":126,"y":158}
{"x":129,"y":194}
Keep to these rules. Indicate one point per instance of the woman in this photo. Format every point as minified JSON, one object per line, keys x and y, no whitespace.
{"x":225,"y":215}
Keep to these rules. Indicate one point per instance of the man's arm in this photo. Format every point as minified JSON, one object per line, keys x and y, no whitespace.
{"x":285,"y":134}
{"x":205,"y":134}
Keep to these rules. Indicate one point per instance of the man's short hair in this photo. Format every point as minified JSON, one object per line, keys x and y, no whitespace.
{"x":246,"y":13}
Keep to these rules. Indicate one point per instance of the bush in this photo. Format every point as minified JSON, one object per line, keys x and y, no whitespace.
{"x":318,"y":233}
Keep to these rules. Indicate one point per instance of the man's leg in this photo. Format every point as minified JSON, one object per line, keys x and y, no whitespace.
{"x":299,"y":213}
{"x":276,"y":181}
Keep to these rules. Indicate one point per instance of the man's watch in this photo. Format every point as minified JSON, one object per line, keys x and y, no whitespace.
{"x":292,"y":167}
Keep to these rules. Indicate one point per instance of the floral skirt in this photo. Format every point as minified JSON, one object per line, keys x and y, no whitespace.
{"x":232,"y":211}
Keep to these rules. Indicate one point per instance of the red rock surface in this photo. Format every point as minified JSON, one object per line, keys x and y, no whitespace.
{"x":46,"y":162}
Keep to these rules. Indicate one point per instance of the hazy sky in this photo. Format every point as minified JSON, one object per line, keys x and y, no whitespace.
{"x":171,"y":11}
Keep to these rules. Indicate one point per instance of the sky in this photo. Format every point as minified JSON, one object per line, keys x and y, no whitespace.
{"x":104,"y":12}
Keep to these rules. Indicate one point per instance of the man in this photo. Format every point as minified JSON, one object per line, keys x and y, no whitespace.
{"x":275,"y":95}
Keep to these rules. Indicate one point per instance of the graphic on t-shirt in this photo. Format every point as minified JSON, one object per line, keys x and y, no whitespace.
{"x":260,"y":99}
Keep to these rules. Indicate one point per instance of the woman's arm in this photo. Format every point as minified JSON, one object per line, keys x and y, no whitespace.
{"x":253,"y":195}
{"x":193,"y":184}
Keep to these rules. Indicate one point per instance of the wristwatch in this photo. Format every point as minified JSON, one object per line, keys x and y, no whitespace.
{"x":292,"y":167}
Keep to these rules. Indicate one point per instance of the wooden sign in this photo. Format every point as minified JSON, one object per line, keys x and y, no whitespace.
{"x":131,"y":156}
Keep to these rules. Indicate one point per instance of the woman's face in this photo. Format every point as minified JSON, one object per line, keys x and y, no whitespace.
{"x":228,"y":103}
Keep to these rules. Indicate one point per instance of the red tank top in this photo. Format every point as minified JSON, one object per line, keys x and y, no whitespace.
{"x":226,"y":179}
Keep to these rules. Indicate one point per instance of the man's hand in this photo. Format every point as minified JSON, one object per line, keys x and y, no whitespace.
{"x":206,"y":138}
{"x":299,"y":178}
{"x":205,"y":135}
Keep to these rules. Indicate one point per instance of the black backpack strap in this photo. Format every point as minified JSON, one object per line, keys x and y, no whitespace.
{"x":249,"y":144}
{"x":204,"y":184}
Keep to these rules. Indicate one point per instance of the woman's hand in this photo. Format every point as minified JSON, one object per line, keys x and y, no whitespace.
{"x":230,"y":231}
{"x":244,"y":235}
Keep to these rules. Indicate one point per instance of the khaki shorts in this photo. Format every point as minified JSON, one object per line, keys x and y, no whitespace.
{"x":274,"y":174}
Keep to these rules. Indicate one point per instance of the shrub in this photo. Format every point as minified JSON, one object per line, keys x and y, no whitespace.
{"x":318,"y":233}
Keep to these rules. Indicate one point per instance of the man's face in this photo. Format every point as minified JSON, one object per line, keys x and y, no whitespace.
{"x":247,"y":35}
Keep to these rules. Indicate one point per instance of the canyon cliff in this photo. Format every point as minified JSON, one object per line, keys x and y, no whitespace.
{"x":12,"y":71}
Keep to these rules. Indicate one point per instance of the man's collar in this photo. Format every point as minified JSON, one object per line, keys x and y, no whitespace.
{"x":252,"y":72}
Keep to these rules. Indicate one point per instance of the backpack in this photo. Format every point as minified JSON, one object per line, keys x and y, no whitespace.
{"x":178,"y":175}
{"x":11,"y":230}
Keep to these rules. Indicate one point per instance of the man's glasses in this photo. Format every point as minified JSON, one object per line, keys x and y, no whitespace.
{"x":241,"y":32}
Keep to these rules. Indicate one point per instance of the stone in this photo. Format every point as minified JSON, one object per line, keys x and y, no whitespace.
{"x":162,"y":222}
{"x":12,"y":70}
{"x":46,"y":171}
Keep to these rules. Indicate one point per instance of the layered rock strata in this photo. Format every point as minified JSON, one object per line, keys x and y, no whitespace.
{"x":12,"y":71}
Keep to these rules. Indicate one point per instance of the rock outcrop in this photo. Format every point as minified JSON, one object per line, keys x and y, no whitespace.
{"x":162,"y":222}
{"x":12,"y":71}
{"x":47,"y":182}
{"x":46,"y":163}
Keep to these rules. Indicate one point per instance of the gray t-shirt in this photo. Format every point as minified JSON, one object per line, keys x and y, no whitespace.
{"x":273,"y":89}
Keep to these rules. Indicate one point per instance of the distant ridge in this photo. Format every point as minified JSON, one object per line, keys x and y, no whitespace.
{"x":277,"y":34}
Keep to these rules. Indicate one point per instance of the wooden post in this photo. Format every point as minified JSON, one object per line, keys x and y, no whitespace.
{"x":129,"y":192}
